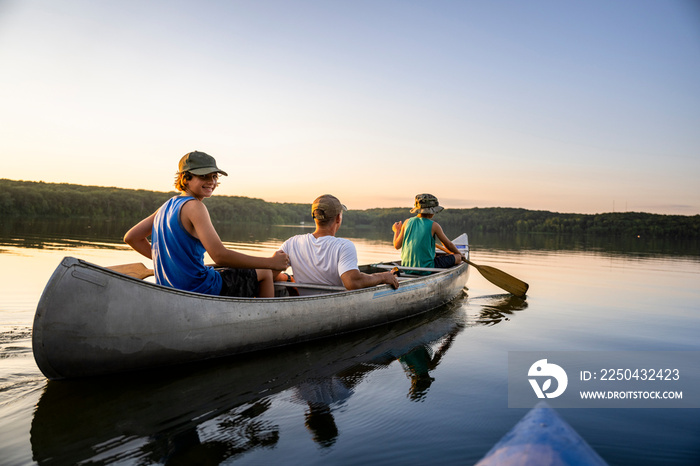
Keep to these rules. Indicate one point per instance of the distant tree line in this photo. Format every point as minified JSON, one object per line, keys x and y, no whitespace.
{"x":38,"y":199}
{"x":512,"y":220}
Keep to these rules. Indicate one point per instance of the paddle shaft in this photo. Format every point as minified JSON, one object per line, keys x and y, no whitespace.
{"x":497,"y":277}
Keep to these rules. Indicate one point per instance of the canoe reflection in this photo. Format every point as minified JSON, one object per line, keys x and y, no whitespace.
{"x":215,"y":411}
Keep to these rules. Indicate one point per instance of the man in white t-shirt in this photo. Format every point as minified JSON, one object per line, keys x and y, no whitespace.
{"x":321,"y":258}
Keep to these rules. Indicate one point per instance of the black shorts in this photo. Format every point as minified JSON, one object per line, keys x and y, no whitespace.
{"x":240,"y":283}
{"x":444,"y":262}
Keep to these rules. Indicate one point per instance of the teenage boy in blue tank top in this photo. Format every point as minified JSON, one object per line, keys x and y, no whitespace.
{"x":416,"y":237}
{"x":181,"y":231}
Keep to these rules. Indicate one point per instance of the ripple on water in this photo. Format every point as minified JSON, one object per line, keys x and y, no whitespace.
{"x":18,"y":373}
{"x":15,"y":341}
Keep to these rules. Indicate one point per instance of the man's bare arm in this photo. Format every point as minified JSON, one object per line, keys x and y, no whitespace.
{"x":355,"y":280}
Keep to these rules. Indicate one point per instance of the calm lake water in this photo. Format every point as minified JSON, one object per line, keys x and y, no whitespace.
{"x":430,"y":390}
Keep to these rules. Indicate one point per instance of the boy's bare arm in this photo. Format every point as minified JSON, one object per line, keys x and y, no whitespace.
{"x":398,"y":234}
{"x":437,"y":231}
{"x":137,"y":236}
{"x":197,"y":215}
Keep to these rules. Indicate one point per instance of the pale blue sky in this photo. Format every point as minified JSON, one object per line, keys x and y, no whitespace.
{"x":583,"y":106}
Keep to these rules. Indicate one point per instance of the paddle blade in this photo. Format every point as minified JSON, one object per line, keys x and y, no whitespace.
{"x":136,"y":270}
{"x":502,"y":280}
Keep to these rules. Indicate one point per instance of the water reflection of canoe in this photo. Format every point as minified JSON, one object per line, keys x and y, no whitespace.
{"x":542,"y":438}
{"x":91,"y":320}
{"x":141,"y":418}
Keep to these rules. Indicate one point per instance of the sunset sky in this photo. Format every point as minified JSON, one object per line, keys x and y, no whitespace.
{"x":570,"y":106}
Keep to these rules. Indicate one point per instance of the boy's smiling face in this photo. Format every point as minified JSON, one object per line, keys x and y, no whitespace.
{"x":202,"y":186}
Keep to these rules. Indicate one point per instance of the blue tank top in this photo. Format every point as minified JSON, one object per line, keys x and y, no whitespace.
{"x":418,"y":248}
{"x":178,"y":257}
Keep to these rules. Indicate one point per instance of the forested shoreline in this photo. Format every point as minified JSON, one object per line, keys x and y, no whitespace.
{"x":46,"y":200}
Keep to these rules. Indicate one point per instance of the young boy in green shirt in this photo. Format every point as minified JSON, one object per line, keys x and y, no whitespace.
{"x":416,"y":237}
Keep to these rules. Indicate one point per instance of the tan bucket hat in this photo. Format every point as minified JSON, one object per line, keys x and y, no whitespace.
{"x":426,"y":204}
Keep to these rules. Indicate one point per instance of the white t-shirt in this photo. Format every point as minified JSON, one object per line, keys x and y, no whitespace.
{"x":320,"y":260}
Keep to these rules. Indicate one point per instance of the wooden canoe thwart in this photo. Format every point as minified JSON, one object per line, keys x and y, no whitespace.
{"x":94,"y":320}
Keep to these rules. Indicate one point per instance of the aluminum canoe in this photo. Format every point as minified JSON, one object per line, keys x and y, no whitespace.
{"x":93,"y":321}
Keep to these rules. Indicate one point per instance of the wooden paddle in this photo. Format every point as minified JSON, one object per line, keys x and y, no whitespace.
{"x":497,"y":277}
{"x":136,"y":270}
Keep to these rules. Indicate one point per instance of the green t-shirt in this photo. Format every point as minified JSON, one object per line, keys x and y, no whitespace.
{"x":418,"y":248}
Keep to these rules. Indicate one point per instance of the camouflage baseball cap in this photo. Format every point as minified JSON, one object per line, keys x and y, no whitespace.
{"x":426,"y":204}
{"x":326,"y":207}
{"x":199,"y":163}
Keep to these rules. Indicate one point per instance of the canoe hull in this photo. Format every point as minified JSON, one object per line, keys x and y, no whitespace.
{"x":93,"y":321}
